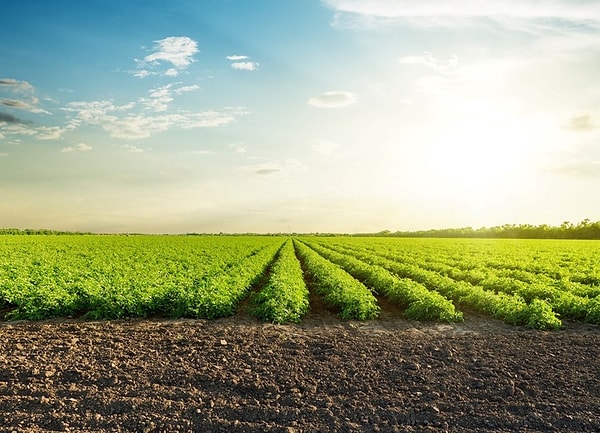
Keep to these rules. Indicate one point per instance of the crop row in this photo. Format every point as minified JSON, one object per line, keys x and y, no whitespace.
{"x":573,"y":261}
{"x":420,"y":303}
{"x":568,"y":304}
{"x":339,"y":289}
{"x":510,"y":308}
{"x":284,"y":298}
{"x":479,"y":272}
{"x":219,"y":295}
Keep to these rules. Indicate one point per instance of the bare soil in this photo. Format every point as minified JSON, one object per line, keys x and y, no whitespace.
{"x":323,"y":375}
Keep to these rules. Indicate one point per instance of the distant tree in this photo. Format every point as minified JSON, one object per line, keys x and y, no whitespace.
{"x":583,"y":230}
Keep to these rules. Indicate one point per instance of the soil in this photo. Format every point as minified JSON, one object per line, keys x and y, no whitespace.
{"x":322,"y":375}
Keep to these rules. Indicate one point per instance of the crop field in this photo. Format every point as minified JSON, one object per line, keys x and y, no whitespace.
{"x":381,"y":334}
{"x":534,"y":283}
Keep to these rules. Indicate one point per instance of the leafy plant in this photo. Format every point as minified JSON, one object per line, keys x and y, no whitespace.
{"x":285,"y":296}
{"x":339,"y":289}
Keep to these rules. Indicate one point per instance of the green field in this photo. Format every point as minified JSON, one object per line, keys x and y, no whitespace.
{"x":535,"y":283}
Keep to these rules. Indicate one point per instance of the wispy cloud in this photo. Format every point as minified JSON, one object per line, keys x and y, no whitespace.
{"x":49,"y":132}
{"x":26,"y":128}
{"x":138,"y":127}
{"x":288,"y":166}
{"x":245,"y":66}
{"x":175,"y":51}
{"x":30,"y":105}
{"x":25,"y":91}
{"x":185,"y":89}
{"x":433,"y":9}
{"x":580,"y":123}
{"x":334,"y":99}
{"x":240,"y":65}
{"x":267,"y":170}
{"x":239,"y":148}
{"x":133,"y":149}
{"x":13,"y":103}
{"x":427,"y":59}
{"x":120,"y":123}
{"x":142,"y":73}
{"x":15,"y":85}
{"x":324,"y":147}
{"x":554,"y":19}
{"x":134,"y":120}
{"x":79,"y":147}
{"x":159,"y":98}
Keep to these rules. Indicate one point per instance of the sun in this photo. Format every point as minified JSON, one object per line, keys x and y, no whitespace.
{"x":479,"y":162}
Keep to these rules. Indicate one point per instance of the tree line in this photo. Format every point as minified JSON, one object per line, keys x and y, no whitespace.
{"x":585,"y":229}
{"x":14,"y":231}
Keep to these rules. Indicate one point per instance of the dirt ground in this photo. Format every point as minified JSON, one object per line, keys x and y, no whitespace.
{"x":323,"y":375}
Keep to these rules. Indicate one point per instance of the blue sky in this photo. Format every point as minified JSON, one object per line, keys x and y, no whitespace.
{"x":308,"y":115}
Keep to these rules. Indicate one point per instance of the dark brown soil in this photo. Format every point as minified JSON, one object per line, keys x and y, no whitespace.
{"x":324,"y":375}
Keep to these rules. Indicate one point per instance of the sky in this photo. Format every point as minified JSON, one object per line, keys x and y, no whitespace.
{"x":298,"y":115}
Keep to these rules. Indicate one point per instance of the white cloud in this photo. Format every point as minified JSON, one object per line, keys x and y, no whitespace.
{"x":477,"y":80}
{"x":203,"y":152}
{"x":140,"y":126}
{"x":13,"y":103}
{"x":549,"y":18}
{"x":15,"y":85}
{"x":137,"y":126}
{"x":27,"y":101}
{"x":245,"y":66}
{"x":176,"y":51}
{"x":334,"y":99}
{"x":185,"y":89}
{"x":39,"y":132}
{"x":260,"y":169}
{"x":160,"y":98}
{"x":239,"y":148}
{"x":3,"y":155}
{"x":49,"y":132}
{"x":324,"y":147}
{"x":143,"y":73}
{"x":92,"y":112}
{"x":130,"y":122}
{"x":288,"y":166}
{"x":133,"y":149}
{"x":427,"y":59}
{"x":237,"y":64}
{"x":80,"y":147}
{"x":562,"y":9}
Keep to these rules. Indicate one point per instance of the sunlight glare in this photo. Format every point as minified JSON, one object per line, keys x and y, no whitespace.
{"x":480,"y":161}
